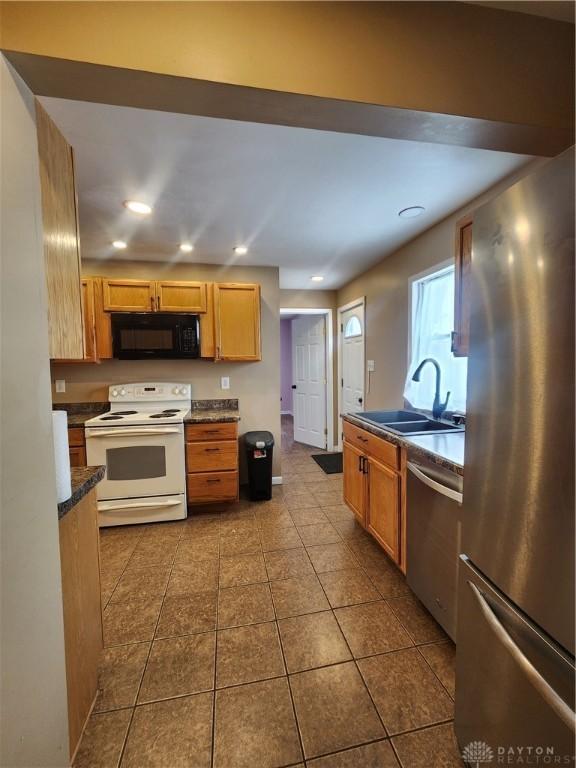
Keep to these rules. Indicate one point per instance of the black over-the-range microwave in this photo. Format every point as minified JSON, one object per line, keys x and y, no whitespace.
{"x":143,"y":335}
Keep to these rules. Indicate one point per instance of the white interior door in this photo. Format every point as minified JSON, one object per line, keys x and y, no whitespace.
{"x":309,"y":372}
{"x":352,"y":357}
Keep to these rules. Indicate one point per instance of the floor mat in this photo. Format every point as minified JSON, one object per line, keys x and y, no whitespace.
{"x":331,"y":463}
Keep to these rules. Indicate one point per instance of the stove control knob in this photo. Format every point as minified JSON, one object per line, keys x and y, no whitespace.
{"x":114,"y":393}
{"x":175,"y":390}
{"x":122,"y":392}
{"x":183,"y":390}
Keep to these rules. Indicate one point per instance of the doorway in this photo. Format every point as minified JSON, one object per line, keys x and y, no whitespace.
{"x":306,"y":376}
{"x":351,"y":359}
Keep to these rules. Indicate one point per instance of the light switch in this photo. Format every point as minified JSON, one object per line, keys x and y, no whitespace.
{"x":60,"y":385}
{"x":225,"y":382}
{"x":371,"y":366}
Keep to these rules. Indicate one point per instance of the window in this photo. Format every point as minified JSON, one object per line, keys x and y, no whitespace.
{"x":353,"y":328}
{"x":431,"y":325}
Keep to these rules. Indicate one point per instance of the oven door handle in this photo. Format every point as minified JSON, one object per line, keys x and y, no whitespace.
{"x":133,"y":432}
{"x":138,"y":505}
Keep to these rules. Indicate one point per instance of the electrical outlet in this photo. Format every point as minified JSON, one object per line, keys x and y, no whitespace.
{"x":60,"y":385}
{"x":225,"y":382}
{"x":371,"y":366}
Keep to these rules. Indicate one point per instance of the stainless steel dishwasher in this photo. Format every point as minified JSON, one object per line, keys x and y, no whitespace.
{"x":433,"y":506}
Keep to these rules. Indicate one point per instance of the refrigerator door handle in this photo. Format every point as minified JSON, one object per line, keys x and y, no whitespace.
{"x":540,"y":684}
{"x":434,"y":484}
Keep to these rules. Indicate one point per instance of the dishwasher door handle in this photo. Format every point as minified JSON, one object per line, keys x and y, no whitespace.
{"x":434,"y":484}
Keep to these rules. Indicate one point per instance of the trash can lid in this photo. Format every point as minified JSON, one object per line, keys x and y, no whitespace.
{"x":251,"y":439}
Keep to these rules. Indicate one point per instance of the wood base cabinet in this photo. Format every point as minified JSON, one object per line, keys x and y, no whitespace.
{"x":212,"y":462}
{"x":80,"y":565}
{"x":374,"y":482}
{"x":354,"y":481}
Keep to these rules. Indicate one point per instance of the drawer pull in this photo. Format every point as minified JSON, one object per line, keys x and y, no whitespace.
{"x":213,"y":480}
{"x":212,"y":450}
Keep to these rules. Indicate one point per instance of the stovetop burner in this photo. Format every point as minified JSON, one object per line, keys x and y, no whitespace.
{"x":125,"y":413}
{"x":171,"y":410}
{"x":110,"y":418}
{"x":161,"y":415}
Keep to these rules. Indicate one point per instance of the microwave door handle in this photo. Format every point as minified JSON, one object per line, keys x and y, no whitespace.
{"x":132,"y":432}
{"x":543,"y":687}
{"x":138,"y":505}
{"x":434,"y":484}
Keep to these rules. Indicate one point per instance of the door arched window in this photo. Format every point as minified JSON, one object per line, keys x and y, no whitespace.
{"x":353,"y":327}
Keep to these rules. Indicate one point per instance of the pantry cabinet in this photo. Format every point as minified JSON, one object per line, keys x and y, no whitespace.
{"x":80,"y":573}
{"x":61,"y":240}
{"x":237,"y":321}
{"x":374,"y":488}
{"x":463,"y":266}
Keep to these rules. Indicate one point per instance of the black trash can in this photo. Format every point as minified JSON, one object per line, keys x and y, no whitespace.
{"x":259,"y":449}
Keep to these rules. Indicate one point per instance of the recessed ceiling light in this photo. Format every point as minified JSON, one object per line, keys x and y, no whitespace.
{"x":186,"y":247}
{"x":241,"y":250}
{"x":137,"y":207}
{"x":317,"y":278}
{"x":412,"y":212}
{"x":119,"y":244}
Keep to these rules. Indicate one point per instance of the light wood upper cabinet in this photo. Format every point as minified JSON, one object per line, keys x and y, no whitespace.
{"x":102,"y":324}
{"x":128,"y":295}
{"x":180,"y":296}
{"x":207,"y":330}
{"x":383,"y":509}
{"x":354,"y":480}
{"x":463,"y":265}
{"x":61,"y":241}
{"x":90,"y":352}
{"x":237,"y":321}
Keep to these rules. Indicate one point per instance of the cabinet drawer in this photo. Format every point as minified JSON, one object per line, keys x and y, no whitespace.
{"x":207,"y":455}
{"x":213,"y":431}
{"x":76,"y":437}
{"x":212,"y":486}
{"x":377,"y":447}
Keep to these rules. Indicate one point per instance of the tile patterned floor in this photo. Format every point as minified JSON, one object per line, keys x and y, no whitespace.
{"x":268,"y":635}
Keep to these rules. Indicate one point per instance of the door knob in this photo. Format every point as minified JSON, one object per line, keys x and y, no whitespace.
{"x":360,"y":400}
{"x":293,"y":386}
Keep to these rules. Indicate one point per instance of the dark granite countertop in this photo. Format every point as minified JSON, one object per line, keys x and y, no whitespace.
{"x":83,"y":480}
{"x":446,"y":450}
{"x":213,"y":411}
{"x":78,"y":413}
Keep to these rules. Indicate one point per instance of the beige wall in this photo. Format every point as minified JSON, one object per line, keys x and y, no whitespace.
{"x":256,"y":385}
{"x":452,"y":58}
{"x":385,"y":287}
{"x":33,"y":709}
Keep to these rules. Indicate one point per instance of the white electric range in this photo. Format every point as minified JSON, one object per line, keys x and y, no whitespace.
{"x":140,"y":440}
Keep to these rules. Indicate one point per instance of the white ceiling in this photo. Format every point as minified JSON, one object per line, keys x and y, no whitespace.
{"x":311,"y":202}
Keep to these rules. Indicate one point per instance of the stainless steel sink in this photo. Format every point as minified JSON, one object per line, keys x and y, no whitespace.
{"x":389,"y":417}
{"x":406,"y":422}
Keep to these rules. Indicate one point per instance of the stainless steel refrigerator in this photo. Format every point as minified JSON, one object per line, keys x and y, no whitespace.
{"x":515,"y":640}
